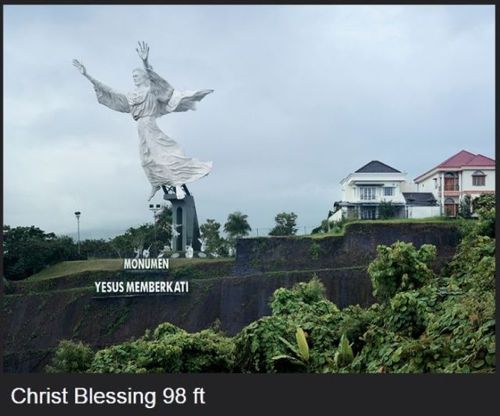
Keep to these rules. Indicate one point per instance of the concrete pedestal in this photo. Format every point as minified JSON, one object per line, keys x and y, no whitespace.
{"x":185,"y":220}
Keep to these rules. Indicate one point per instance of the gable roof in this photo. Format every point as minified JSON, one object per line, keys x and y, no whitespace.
{"x":420,"y":198}
{"x":376,"y":167}
{"x":460,"y":160}
{"x":480,"y":160}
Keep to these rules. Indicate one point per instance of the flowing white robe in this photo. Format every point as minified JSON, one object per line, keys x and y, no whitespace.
{"x":162,"y":159}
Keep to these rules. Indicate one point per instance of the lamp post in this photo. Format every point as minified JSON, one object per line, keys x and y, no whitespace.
{"x":77,"y":214}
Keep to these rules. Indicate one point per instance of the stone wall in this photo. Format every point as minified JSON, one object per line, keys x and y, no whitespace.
{"x":356,"y":248}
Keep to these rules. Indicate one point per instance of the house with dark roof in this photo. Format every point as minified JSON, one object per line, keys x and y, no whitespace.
{"x":369,"y":188}
{"x":463,"y":174}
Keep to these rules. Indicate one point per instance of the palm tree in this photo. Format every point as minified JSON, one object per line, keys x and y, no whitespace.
{"x":237,"y":225}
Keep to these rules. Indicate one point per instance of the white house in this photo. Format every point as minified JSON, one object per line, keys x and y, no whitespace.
{"x":376,"y":183}
{"x":364,"y":190}
{"x":464,"y":173}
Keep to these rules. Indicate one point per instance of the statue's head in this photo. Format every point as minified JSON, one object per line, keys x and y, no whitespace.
{"x":140,"y":77}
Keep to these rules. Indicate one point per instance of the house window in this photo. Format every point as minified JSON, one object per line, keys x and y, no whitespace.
{"x":367,"y":193}
{"x":388,"y":191}
{"x":478,"y":178}
{"x":451,"y":182}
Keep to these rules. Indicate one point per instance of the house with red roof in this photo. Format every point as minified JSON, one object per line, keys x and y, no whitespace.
{"x":463,"y":174}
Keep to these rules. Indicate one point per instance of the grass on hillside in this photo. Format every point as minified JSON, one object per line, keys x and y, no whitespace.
{"x":338,"y":231}
{"x":67,"y":268}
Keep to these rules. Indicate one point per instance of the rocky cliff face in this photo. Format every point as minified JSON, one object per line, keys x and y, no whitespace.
{"x":38,"y":314}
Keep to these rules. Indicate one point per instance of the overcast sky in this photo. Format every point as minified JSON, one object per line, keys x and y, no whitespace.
{"x":304,"y":95}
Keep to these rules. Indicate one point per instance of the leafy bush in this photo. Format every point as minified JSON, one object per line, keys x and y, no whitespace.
{"x":257,"y":344}
{"x":168,"y":350}
{"x":485,"y":201}
{"x":308,"y":296}
{"x":304,"y":306}
{"x":314,"y":251}
{"x":400,"y":267}
{"x":386,"y":210}
{"x":71,"y":357}
{"x":407,"y":313}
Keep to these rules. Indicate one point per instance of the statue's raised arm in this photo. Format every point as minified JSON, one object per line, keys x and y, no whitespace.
{"x":172,"y":100}
{"x":105,"y":95}
{"x":159,"y":87}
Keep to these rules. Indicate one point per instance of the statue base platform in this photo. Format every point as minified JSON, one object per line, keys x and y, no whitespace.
{"x":185,"y":221}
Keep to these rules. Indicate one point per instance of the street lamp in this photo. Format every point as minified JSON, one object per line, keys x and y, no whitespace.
{"x":77,"y":214}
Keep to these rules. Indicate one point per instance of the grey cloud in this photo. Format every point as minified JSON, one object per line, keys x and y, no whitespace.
{"x":303,"y":96}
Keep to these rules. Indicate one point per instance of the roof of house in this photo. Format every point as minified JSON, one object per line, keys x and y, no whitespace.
{"x":420,"y":198}
{"x":458,"y":160}
{"x":376,"y":167}
{"x":461,"y":160}
{"x":480,"y":160}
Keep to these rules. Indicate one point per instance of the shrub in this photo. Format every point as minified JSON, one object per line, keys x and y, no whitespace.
{"x":386,"y":210}
{"x":400,"y":267}
{"x":168,"y":350}
{"x":71,"y":357}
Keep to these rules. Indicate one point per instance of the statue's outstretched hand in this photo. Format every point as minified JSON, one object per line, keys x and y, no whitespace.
{"x":80,"y":67}
{"x":143,"y":51}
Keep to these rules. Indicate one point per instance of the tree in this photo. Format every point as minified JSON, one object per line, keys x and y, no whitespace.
{"x":27,"y":250}
{"x":146,"y":235}
{"x":285,"y":224}
{"x":237,"y":226}
{"x":98,"y":248}
{"x":464,"y":209}
{"x":386,"y":210}
{"x":487,"y":201}
{"x":215,"y":244}
{"x":485,"y":209}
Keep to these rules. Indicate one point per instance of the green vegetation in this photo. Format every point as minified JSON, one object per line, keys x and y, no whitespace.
{"x":314,"y":251}
{"x":422,"y":324}
{"x":153,"y":236}
{"x":71,"y":357}
{"x":167,"y":349}
{"x":465,"y":207}
{"x":237,"y":226}
{"x":30,"y":250}
{"x":286,"y":224}
{"x":69,"y":268}
{"x":27,"y":250}
{"x":400,"y":267}
{"x":215,"y":244}
{"x":386,"y":210}
{"x":340,"y":228}
{"x":486,"y":201}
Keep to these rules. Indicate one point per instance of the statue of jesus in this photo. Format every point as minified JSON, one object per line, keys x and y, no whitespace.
{"x":162,"y":159}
